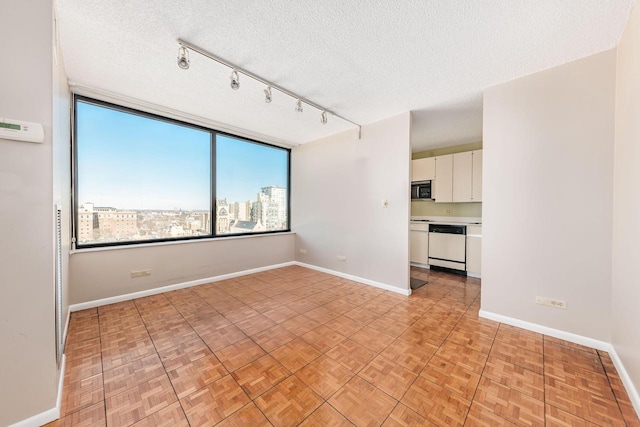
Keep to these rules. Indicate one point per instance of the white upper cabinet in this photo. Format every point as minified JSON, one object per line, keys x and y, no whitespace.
{"x":423,"y":169}
{"x":462,"y":176}
{"x":476,"y":184}
{"x":458,"y":177}
{"x":443,"y":192}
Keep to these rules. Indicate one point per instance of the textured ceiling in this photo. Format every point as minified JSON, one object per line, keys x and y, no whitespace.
{"x":364,"y":59}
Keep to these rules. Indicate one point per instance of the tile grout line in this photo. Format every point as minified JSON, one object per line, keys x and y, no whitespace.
{"x":356,"y":374}
{"x":615,"y":396}
{"x":569,"y":412}
{"x":544,"y":380}
{"x":325,"y":354}
{"x":160,"y":359}
{"x":493,"y":340}
{"x":450,"y":295}
{"x":230,"y":373}
{"x":212,"y":352}
{"x":104,"y":391}
{"x":432,"y":356}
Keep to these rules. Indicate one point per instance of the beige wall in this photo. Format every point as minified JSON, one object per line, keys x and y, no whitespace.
{"x":548,"y":196}
{"x":27,"y":353}
{"x":423,"y":208}
{"x":104,"y":273}
{"x":338,"y":185}
{"x":626,"y":204}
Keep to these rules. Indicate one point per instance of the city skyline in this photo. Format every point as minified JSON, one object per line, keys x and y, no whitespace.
{"x":102,"y":224}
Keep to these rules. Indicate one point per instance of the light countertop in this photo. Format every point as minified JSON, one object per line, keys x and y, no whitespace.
{"x":453,"y":220}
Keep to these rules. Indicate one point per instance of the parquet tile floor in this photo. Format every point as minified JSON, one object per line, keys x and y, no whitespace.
{"x":293,"y":346}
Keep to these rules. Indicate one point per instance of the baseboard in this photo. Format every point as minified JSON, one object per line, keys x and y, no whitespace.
{"x":40,"y":419}
{"x":417,"y":264}
{"x":66,"y":328}
{"x":634,"y":397}
{"x":380,"y":285}
{"x":63,"y":367}
{"x":577,"y":339}
{"x":556,"y":333}
{"x":148,"y":292}
{"x":48,"y":415}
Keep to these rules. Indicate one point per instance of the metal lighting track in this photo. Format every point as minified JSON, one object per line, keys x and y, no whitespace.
{"x":266,"y":82}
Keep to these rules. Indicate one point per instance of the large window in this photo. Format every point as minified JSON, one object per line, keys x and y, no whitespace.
{"x":142,"y":178}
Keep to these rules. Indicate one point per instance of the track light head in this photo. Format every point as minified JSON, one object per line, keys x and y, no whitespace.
{"x":235,"y":80}
{"x":323,"y":118}
{"x":267,"y":95}
{"x":299,"y":106}
{"x":183,"y":58}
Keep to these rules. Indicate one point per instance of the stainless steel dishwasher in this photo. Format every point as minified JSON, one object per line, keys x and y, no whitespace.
{"x":448,"y":246}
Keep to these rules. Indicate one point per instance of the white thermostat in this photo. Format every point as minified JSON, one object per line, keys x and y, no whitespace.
{"x":21,"y":131}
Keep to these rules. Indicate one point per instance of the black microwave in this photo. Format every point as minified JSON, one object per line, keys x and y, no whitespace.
{"x":421,"y":190}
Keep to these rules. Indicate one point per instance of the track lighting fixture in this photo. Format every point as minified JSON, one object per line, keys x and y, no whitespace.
{"x":235,"y":80}
{"x":183,"y":62}
{"x":267,"y":95}
{"x":183,"y":58}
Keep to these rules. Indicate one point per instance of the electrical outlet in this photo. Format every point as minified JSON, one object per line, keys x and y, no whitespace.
{"x":302,"y":251}
{"x":550,"y":302}
{"x":342,"y":258}
{"x":140,"y":273}
{"x":448,"y":211}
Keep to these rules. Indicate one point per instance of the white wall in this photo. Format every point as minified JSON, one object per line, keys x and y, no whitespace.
{"x":28,"y":385}
{"x":548,"y":195}
{"x":98,"y":274}
{"x":626,"y":204}
{"x":338,"y":185}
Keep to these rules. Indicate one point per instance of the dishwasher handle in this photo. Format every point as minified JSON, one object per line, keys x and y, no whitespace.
{"x":448,"y":229}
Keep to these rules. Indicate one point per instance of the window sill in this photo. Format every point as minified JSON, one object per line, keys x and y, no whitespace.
{"x":177,"y":242}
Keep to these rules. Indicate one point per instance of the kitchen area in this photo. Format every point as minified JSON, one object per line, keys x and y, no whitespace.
{"x":446,"y":209}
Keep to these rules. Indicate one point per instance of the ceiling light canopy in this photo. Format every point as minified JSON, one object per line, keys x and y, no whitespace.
{"x":235,"y":80}
{"x":267,"y":95}
{"x":183,"y":58}
{"x":183,"y":62}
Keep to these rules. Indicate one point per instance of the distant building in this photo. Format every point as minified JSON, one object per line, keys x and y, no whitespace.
{"x":240,"y":211}
{"x":240,"y":227}
{"x":176,"y":230}
{"x":222,"y":216}
{"x":205,"y":221}
{"x":278,"y":197}
{"x":105,"y":223}
{"x":270,"y":208}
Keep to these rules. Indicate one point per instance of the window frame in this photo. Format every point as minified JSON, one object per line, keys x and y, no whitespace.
{"x":213,"y":133}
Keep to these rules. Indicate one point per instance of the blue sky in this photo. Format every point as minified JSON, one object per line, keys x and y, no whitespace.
{"x":132,"y":162}
{"x":242,"y":168}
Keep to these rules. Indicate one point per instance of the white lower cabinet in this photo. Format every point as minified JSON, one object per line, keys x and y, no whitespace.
{"x":474,"y":251}
{"x":419,"y":244}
